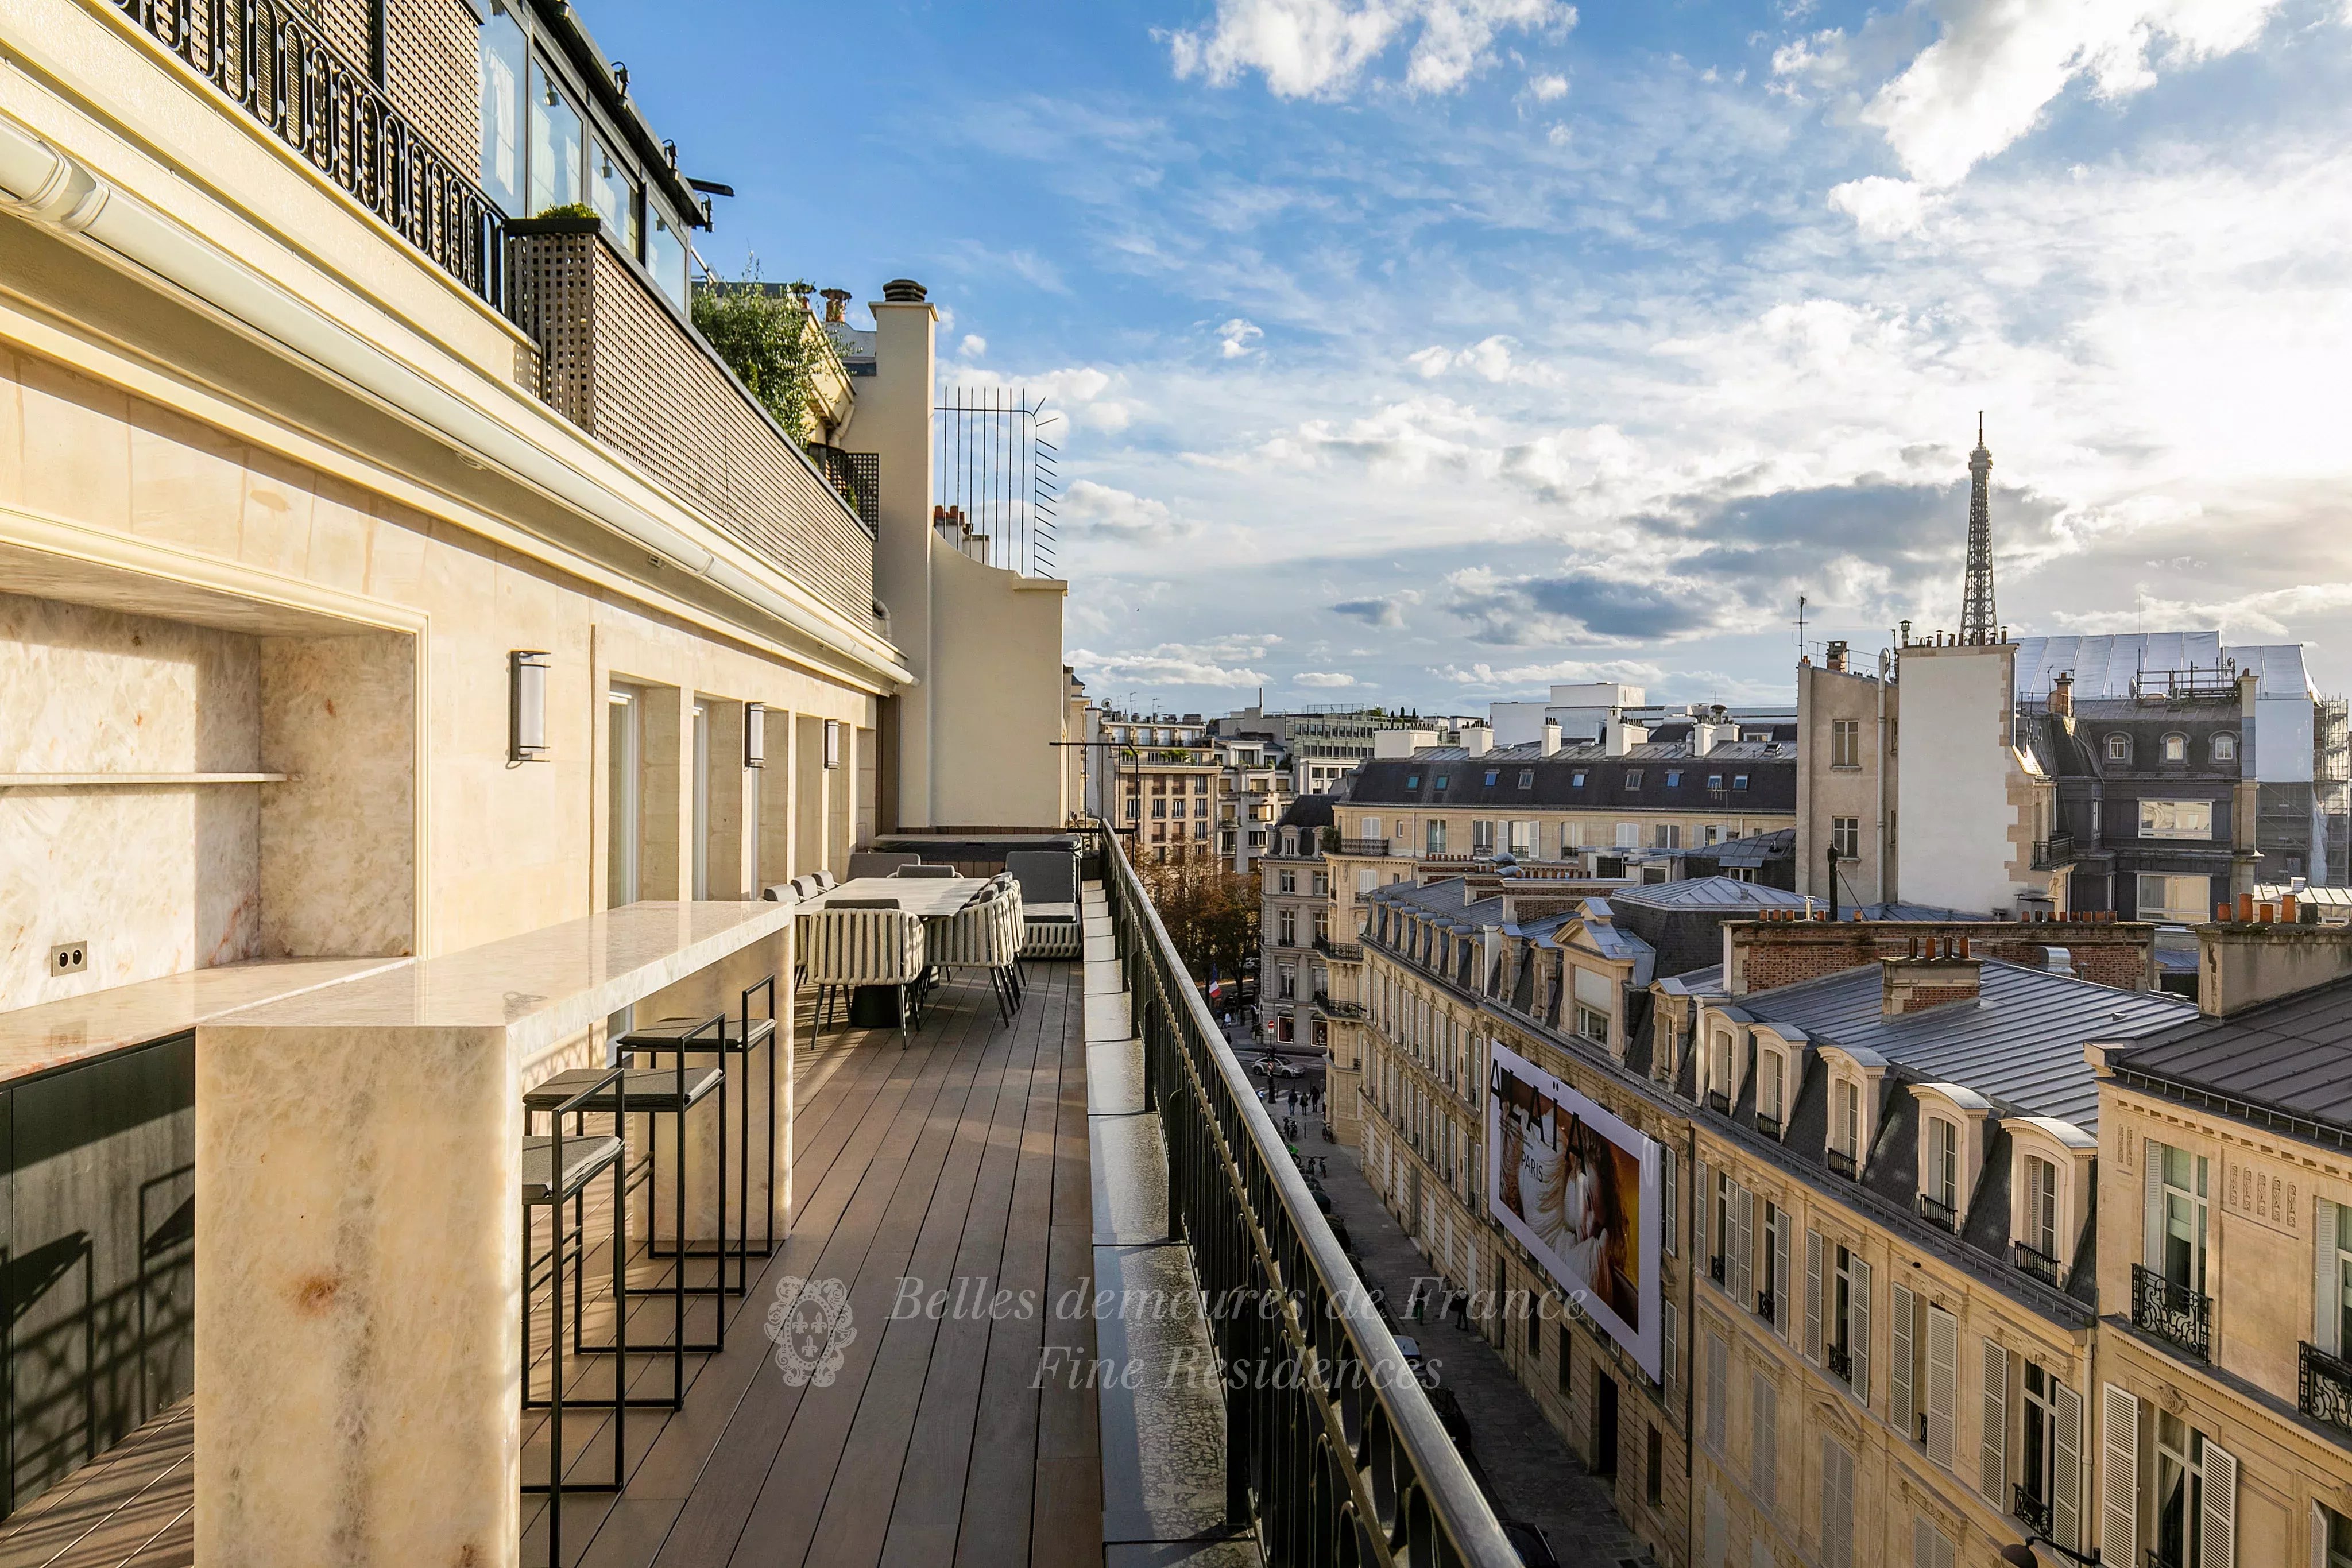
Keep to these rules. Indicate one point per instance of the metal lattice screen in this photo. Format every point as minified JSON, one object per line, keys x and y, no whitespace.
{"x":996,"y":462}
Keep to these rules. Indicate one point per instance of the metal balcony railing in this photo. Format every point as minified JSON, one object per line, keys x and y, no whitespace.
{"x":1364,"y":847}
{"x":1715,"y":1267}
{"x":1839,"y":1359}
{"x":2034,"y":1262}
{"x":2053,"y":854}
{"x":270,"y":60}
{"x":2323,"y":1387}
{"x":1718,"y":1103}
{"x":1345,"y":952}
{"x":1330,"y":1008}
{"x":1845,"y":1164}
{"x":1765,"y":1308}
{"x":1332,"y":1449}
{"x":2172,"y":1311}
{"x":2031,"y":1511}
{"x":1936,"y":1212}
{"x":1768,"y":1125}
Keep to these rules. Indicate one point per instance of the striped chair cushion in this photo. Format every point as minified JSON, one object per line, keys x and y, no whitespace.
{"x":977,"y":936}
{"x":862,"y":946}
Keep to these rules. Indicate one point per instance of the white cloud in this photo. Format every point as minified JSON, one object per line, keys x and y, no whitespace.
{"x":1322,"y":678}
{"x":2271,"y":612}
{"x":1547,"y":89}
{"x":1490,"y":358}
{"x":972,"y":346}
{"x":1237,"y":338}
{"x":1486,"y":677}
{"x":1101,"y":509}
{"x":1881,"y":208}
{"x":1320,"y":48}
{"x":1080,"y":393}
{"x":2000,"y":63}
{"x":1221,"y":662}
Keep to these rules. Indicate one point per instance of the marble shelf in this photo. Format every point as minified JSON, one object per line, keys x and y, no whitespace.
{"x":105,"y":780}
{"x":52,"y":1035}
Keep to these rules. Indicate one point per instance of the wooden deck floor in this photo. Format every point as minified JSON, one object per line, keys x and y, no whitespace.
{"x":962,"y":1160}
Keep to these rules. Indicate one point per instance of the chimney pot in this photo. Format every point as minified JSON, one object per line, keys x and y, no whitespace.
{"x":2062,"y":695}
{"x":836,"y":305}
{"x":2246,"y":907}
{"x":2287,"y":909}
{"x":1837,"y":657}
{"x":904,"y":291}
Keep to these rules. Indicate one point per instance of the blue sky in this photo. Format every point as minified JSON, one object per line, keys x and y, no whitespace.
{"x":1427,"y":351}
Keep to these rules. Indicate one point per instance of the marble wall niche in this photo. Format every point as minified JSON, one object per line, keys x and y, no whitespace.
{"x":156,"y":879}
{"x":338,"y":872}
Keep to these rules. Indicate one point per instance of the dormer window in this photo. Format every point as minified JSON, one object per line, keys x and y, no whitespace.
{"x":1440,"y":781}
{"x":1632,"y":778}
{"x":1771,"y":1094}
{"x":1674,"y":779}
{"x":1412,"y":780}
{"x":2176,"y":747}
{"x":1493,"y":774}
{"x":1739,"y":781}
{"x":1576,"y":780}
{"x":1715,"y":780}
{"x":2119,"y":748}
{"x":1527,"y":778}
{"x":1845,"y":1125}
{"x":2040,"y":1217}
{"x":2225,"y":749}
{"x":1939,"y":1184}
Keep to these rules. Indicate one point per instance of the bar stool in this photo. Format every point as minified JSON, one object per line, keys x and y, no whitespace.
{"x":652,"y":1092}
{"x":737,"y":1036}
{"x":557,"y":1170}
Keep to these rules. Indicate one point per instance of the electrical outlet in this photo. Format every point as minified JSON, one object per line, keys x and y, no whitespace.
{"x":69,"y":959}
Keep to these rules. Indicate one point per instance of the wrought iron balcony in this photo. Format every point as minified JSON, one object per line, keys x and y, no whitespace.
{"x":1330,"y":1008}
{"x":2031,"y":1511}
{"x":2034,"y":1262}
{"x":1845,"y":1164}
{"x":271,"y":60}
{"x":1765,"y":1308}
{"x":1718,"y":1103}
{"x":2323,"y":1387}
{"x":1379,"y":847}
{"x":1345,"y":952}
{"x":2173,"y":1312}
{"x":1839,"y":1359}
{"x":1936,"y":1212}
{"x":2053,"y":854}
{"x":1768,"y":1125}
{"x":1715,"y":1267}
{"x":1337,"y":1439}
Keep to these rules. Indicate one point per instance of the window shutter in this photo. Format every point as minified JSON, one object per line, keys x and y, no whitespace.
{"x":2318,"y":1536}
{"x":1702,"y":1215}
{"x":1993,"y":1451}
{"x":2151,"y":1243}
{"x":1671,"y":1190}
{"x":1943,"y":1385}
{"x":1781,"y":1324}
{"x":2221,"y":1509}
{"x":1763,"y":1440}
{"x":2066,"y":1470}
{"x":1837,"y":1504}
{"x":1814,"y":1296}
{"x":1743,"y":1248}
{"x":1898,"y":1372}
{"x":2118,"y":1479}
{"x":2326,"y":1319}
{"x":1923,"y":1547}
{"x":1670,"y":1348}
{"x":1857,"y":1329}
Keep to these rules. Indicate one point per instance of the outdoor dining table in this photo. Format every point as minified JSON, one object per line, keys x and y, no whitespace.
{"x":935,"y":898}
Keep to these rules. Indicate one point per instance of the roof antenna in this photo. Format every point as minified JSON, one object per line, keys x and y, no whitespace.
{"x":1801,"y":627}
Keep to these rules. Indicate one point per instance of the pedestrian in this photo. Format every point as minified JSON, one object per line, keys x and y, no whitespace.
{"x":1462,"y":1311}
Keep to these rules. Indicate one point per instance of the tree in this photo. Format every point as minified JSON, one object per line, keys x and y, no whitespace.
{"x":1210,"y":911}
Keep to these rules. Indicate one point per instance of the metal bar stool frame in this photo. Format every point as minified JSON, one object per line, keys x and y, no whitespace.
{"x":742,"y":1045}
{"x":575,"y":1243}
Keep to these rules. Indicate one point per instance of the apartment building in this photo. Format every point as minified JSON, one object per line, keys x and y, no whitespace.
{"x":1847,"y":783}
{"x":1166,"y":781}
{"x":2223,"y":1386}
{"x":1297,"y":949}
{"x":1254,"y":792}
{"x":1320,"y":747}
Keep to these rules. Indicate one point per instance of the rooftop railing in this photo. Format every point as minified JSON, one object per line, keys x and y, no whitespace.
{"x":270,"y":60}
{"x":2032,"y":1261}
{"x":616,"y":361}
{"x":2055,"y":854}
{"x":1333,"y":1451}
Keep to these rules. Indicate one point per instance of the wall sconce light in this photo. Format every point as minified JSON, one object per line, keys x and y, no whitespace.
{"x":755,"y":735}
{"x":832,"y":743}
{"x":527,"y":704}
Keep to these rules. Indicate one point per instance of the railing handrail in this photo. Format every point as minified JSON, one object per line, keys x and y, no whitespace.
{"x":1394,"y":1526}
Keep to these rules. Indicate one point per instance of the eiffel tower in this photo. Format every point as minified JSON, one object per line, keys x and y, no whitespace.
{"x":1978,"y":625}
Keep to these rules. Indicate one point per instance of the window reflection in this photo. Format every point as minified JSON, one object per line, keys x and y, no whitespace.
{"x":503,"y":64}
{"x":615,"y":196}
{"x":555,"y":145}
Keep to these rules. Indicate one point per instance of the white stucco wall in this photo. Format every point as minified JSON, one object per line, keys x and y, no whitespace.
{"x":1954,"y":812}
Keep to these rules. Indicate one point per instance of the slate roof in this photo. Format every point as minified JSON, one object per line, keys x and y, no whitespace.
{"x":2019,"y":1044}
{"x":1710,"y":893}
{"x":1309,"y":812}
{"x":2292,"y":1055}
{"x":1677,"y":781}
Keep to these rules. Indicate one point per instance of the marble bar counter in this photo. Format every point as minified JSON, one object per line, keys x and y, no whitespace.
{"x":358,"y":1232}
{"x":57,"y":1035}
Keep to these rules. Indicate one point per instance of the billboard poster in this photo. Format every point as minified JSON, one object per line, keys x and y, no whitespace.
{"x":1581,"y":1190}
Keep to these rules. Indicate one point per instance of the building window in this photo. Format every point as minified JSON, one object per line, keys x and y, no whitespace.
{"x":1524,"y":836}
{"x":2179,"y":1217}
{"x":1845,"y":743}
{"x":1286,"y":928}
{"x":1768,"y":1094}
{"x":1674,"y":779}
{"x":2176,"y":747}
{"x":1668,"y":836}
{"x":1412,"y":780}
{"x":504,"y":63}
{"x":1845,"y":837}
{"x":1942,"y":1183}
{"x":1739,"y":781}
{"x":1527,"y":778}
{"x":2043,"y":1434}
{"x":2042,"y":1206}
{"x":1715,"y":780}
{"x":555,"y":144}
{"x":1632,"y":778}
{"x":1282,"y":1028}
{"x":1493,"y":775}
{"x":1576,"y":780}
{"x":1159,"y":809}
{"x":1134,"y":809}
{"x":1845,"y":1129}
{"x":1482,"y":835}
{"x":2180,"y":1506}
{"x":2179,"y":900}
{"x":1287,"y":983}
{"x":1321,"y":884}
{"x":2176,"y":820}
{"x":2225,"y":749}
{"x":1594,"y":1024}
{"x":1629,"y":835}
{"x":1436,"y":838}
{"x":1371,"y":828}
{"x":1440,"y":781}
{"x":1286,"y":882}
{"x":1201,"y":830}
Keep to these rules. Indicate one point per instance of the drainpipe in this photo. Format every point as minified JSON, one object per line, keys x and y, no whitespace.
{"x":1885,"y":676}
{"x":39,"y":182}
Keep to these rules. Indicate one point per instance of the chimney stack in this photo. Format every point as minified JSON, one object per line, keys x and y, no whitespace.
{"x":2062,"y":695}
{"x":836,"y":306}
{"x":1837,"y":657}
{"x":1551,"y":737}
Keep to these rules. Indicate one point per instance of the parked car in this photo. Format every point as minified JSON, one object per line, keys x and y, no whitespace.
{"x":1533,"y":1546}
